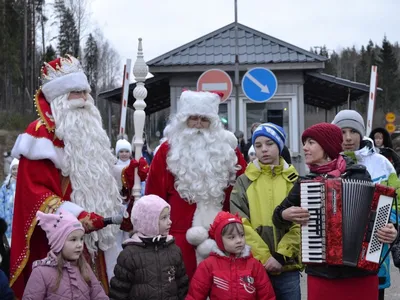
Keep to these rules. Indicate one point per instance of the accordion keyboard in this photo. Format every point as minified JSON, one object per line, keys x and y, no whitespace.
{"x":313,"y":234}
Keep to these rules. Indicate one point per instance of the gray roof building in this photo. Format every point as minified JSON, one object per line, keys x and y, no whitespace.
{"x":218,"y":48}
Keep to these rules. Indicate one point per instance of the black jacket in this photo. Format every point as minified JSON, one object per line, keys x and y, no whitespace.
{"x":353,"y":171}
{"x":149,"y":270}
{"x":387,"y":150}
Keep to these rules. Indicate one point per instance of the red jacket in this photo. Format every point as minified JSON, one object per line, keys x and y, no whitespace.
{"x":223,"y":277}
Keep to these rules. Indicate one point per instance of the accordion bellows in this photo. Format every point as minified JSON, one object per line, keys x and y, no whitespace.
{"x":345,"y":215}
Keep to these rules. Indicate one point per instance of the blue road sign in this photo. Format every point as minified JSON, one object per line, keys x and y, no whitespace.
{"x":259,"y":84}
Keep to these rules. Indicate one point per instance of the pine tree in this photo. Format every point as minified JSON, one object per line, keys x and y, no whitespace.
{"x":388,"y":77}
{"x":91,"y":63}
{"x":50,"y":54}
{"x":363,"y":67}
{"x":68,"y":41}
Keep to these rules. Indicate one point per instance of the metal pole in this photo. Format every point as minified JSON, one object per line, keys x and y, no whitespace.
{"x":237,"y":85}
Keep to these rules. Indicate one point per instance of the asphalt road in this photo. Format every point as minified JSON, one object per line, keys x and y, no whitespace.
{"x":392,"y":293}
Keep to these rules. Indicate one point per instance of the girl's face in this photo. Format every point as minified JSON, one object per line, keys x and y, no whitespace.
{"x":234,"y":240}
{"x":164,"y":223}
{"x":124,"y":155}
{"x":14,"y":171}
{"x":73,"y":246}
{"x":378,"y":138}
{"x":313,"y":152}
{"x":267,"y":151}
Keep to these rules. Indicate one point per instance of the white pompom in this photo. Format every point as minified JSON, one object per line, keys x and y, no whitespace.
{"x":196,"y":235}
{"x":205,"y":248}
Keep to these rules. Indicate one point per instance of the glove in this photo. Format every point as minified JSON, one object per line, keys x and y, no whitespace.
{"x":143,"y":169}
{"x":91,"y":221}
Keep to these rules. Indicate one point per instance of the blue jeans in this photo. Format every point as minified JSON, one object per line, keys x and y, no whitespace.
{"x":286,"y":285}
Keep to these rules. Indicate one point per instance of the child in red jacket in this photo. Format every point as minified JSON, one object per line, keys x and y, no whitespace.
{"x":230,"y":272}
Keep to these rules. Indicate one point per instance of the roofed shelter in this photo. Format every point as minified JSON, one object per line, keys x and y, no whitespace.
{"x":298,"y":71}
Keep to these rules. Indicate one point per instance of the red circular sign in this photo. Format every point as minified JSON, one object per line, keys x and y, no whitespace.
{"x":215,"y":80}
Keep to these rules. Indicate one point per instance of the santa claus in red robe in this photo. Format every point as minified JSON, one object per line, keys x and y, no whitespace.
{"x":194,"y":171}
{"x":65,"y":162}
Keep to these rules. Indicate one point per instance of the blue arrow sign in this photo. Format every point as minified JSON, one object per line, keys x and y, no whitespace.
{"x":259,"y":84}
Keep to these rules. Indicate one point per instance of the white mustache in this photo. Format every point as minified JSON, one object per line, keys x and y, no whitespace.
{"x":77,"y":103}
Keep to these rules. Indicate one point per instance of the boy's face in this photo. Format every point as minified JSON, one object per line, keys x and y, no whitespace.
{"x":234,"y":242}
{"x":351,"y":139}
{"x":378,"y":138}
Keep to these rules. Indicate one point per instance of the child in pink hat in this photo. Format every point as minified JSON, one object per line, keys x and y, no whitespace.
{"x":230,"y":272}
{"x":64,"y":272}
{"x":151,"y":265}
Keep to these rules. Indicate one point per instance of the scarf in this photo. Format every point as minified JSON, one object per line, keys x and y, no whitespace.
{"x":335,"y":168}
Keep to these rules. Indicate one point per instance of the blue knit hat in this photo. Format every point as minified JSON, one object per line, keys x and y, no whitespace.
{"x":271,"y":131}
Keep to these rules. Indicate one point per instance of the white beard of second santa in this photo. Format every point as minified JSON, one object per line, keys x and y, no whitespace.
{"x":88,"y":161}
{"x":204,"y":165}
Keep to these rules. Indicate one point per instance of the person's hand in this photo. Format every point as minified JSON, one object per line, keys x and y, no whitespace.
{"x":387,"y":234}
{"x":296,"y":214}
{"x":272,"y":265}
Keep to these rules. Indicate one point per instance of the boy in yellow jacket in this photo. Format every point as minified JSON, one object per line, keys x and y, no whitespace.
{"x":264,"y":185}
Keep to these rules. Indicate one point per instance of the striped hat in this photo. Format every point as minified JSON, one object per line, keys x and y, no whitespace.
{"x":271,"y":131}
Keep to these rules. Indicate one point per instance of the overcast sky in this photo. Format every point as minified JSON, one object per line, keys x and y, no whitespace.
{"x":167,"y":24}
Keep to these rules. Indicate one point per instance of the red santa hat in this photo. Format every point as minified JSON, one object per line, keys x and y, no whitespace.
{"x":61,"y":76}
{"x":199,"y":103}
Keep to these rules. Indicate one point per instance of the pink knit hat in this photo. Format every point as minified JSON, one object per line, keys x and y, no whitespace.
{"x":58,"y":227}
{"x":145,"y":215}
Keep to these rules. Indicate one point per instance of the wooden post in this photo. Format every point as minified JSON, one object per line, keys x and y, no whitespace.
{"x":140,"y":71}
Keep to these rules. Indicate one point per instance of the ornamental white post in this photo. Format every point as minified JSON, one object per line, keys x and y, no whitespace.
{"x":140,"y":71}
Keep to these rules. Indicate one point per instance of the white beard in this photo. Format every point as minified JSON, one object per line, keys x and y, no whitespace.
{"x":88,"y":161}
{"x":202,"y":161}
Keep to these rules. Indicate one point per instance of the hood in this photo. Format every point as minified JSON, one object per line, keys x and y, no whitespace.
{"x":255,"y":169}
{"x":145,"y":215}
{"x":387,"y":140}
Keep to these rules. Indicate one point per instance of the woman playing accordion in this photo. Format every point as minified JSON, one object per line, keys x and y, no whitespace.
{"x":322,"y":147}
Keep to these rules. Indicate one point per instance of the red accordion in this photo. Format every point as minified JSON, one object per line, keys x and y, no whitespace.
{"x":345,"y":215}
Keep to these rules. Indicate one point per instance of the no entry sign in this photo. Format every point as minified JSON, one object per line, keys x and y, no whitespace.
{"x":215,"y":80}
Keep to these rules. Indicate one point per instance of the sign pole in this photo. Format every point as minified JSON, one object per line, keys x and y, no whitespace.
{"x":237,"y":83}
{"x":372,"y":98}
{"x":125,"y":94}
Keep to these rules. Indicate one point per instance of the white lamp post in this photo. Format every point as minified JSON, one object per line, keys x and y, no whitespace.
{"x":140,"y":71}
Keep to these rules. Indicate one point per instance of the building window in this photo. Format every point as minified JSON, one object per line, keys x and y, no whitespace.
{"x":274,"y":112}
{"x":223,"y":114}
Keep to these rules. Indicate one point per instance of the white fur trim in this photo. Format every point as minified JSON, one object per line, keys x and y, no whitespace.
{"x":205,"y":248}
{"x":199,"y":103}
{"x":196,"y":235}
{"x":231,"y":139}
{"x":205,"y":214}
{"x":59,"y":86}
{"x":35,"y":148}
{"x":71,"y":207}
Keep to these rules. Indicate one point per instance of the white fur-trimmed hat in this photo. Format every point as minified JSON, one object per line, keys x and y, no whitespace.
{"x":61,"y":76}
{"x":199,"y":103}
{"x":122,"y":145}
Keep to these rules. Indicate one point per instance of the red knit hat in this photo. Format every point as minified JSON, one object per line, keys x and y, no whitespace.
{"x":328,"y":136}
{"x":222,"y":219}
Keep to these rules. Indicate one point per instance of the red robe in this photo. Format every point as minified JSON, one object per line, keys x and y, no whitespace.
{"x":41,"y":187}
{"x":161,"y":182}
